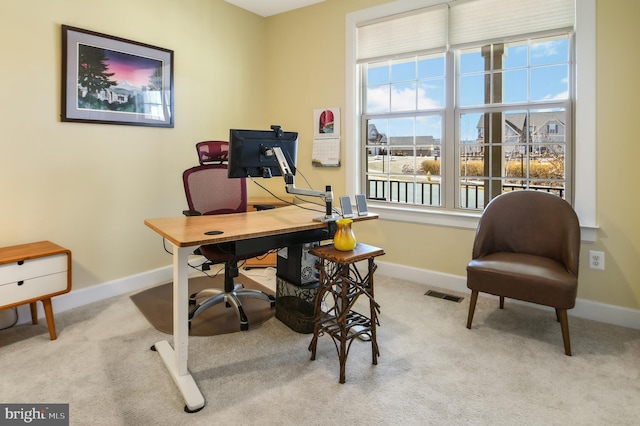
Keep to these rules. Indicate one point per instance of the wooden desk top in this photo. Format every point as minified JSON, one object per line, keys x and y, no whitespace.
{"x":190,"y":230}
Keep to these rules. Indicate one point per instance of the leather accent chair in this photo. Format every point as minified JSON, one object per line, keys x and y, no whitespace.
{"x":527,"y":247}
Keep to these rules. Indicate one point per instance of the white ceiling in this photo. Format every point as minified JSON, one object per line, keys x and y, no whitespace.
{"x":271,"y":7}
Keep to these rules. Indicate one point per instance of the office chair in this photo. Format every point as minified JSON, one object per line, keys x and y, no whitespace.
{"x":209,"y":192}
{"x":527,"y":247}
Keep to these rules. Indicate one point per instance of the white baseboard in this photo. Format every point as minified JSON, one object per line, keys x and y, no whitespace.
{"x":610,"y":314}
{"x":587,"y":309}
{"x":85,"y":296}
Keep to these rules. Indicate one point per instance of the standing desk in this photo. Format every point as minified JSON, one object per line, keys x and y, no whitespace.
{"x":251,"y":232}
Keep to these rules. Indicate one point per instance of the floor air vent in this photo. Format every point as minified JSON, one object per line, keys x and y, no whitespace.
{"x":444,"y":296}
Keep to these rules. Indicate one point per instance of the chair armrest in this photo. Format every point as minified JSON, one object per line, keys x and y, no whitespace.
{"x":191,"y":213}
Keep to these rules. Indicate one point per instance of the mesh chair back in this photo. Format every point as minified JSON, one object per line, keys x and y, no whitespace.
{"x":207,"y":187}
{"x":213,"y":151}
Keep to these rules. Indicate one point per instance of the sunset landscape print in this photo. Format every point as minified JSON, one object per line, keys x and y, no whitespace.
{"x":111,"y":80}
{"x":117,"y":81}
{"x":132,"y":69}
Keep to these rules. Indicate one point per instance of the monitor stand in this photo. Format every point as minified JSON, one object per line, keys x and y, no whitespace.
{"x":290,"y":186}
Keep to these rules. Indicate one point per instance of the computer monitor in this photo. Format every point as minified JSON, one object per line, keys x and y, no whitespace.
{"x":267,"y":153}
{"x":251,"y":152}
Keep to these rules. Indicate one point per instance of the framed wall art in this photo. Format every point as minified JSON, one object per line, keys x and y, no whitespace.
{"x":111,"y":80}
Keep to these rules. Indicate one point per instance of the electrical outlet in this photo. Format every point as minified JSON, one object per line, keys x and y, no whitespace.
{"x":596,"y":260}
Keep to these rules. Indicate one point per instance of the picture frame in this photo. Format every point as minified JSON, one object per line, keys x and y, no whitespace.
{"x":112,"y":80}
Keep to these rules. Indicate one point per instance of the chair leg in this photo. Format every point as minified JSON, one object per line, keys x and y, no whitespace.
{"x":564,"y":325}
{"x":501,"y":302}
{"x":232,"y":299}
{"x":472,"y":307}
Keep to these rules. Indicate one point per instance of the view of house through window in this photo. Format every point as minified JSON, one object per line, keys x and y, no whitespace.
{"x":457,"y":127}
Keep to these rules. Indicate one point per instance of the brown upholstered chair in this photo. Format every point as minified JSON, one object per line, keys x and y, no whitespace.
{"x":527,"y":247}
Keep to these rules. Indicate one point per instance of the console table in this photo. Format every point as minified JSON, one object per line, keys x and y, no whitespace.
{"x":33,"y":272}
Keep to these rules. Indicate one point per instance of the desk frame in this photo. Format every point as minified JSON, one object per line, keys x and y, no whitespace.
{"x":293,"y":223}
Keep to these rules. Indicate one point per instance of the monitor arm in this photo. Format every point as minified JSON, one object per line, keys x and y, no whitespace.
{"x":289,"y":180}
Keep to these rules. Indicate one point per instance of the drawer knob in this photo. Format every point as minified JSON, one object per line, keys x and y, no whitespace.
{"x":20,"y":262}
{"x":20,"y":282}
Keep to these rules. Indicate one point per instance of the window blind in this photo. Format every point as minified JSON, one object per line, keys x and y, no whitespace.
{"x":458,"y":23}
{"x":412,"y":32}
{"x":490,"y":20}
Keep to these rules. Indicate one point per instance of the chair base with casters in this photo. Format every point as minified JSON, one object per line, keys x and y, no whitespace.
{"x":231,"y":294}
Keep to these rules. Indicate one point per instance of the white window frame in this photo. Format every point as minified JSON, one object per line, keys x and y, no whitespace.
{"x":584,"y":200}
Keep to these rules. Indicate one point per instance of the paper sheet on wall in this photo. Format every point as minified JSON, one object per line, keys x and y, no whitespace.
{"x":326,"y":152}
{"x":326,"y":137}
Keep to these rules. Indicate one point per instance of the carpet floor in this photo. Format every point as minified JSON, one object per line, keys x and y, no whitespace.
{"x":509,"y":369}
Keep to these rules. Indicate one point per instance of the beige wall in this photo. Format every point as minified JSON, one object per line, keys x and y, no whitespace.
{"x":618,"y":155}
{"x":89,"y":187}
{"x":315,"y":37}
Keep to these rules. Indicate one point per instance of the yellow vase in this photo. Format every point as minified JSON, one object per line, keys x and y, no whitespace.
{"x":344,"y":238}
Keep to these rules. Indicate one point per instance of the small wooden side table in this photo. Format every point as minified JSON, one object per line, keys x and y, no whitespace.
{"x":32,"y":272}
{"x":342,"y":283}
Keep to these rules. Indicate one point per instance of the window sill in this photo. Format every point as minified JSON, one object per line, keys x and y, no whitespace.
{"x":436,"y":217}
{"x":455,"y":219}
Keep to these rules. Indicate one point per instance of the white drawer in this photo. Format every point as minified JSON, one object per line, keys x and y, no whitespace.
{"x":32,"y":268}
{"x":32,"y":288}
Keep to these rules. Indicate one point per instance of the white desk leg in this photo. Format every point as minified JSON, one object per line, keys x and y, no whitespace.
{"x":175,"y":358}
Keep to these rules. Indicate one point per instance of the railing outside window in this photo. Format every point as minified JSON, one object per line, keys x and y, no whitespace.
{"x":428,"y":194}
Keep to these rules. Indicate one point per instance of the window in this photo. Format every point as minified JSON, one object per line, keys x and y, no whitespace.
{"x":512,"y":91}
{"x":452,"y":126}
{"x":405,"y":105}
{"x":584,"y":112}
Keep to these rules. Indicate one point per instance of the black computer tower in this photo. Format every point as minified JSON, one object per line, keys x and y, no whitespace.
{"x":296,"y":265}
